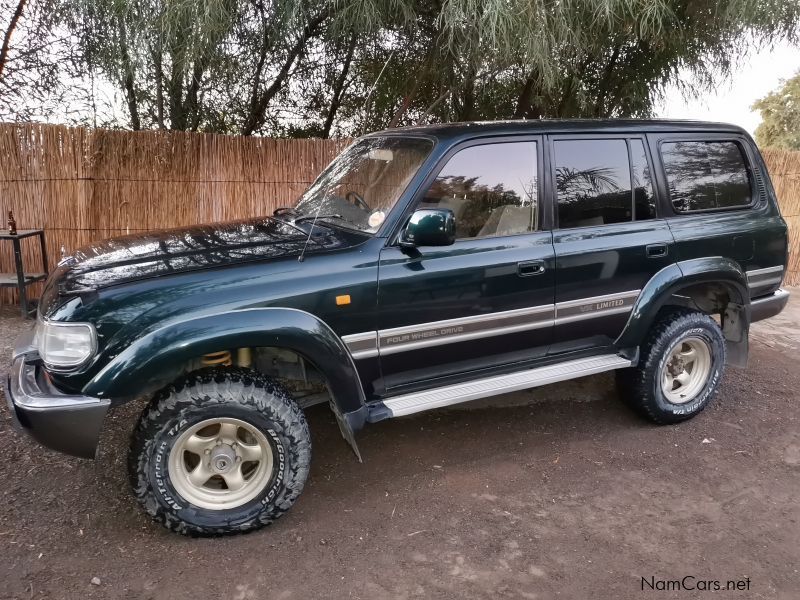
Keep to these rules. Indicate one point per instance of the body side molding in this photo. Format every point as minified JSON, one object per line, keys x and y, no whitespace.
{"x":769,"y":276}
{"x":438,"y":333}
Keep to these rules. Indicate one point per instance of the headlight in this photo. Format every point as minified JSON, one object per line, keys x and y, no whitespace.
{"x":65,"y":344}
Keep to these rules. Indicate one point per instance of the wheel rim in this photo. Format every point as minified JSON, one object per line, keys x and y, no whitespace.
{"x":220,"y":463}
{"x":686,"y":370}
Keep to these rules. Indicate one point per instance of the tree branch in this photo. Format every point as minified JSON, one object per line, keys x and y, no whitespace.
{"x":407,"y":100}
{"x":433,"y":105}
{"x":260,"y":102}
{"x":12,"y":25}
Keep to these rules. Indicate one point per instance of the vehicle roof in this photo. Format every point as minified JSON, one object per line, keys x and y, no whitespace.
{"x":459,"y":130}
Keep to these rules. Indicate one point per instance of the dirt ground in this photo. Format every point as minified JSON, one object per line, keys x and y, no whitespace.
{"x":558,"y":492}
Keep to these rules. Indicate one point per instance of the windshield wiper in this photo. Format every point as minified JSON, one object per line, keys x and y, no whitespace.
{"x":285,"y":210}
{"x":315,"y":217}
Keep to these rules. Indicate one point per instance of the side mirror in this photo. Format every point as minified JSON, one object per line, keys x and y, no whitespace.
{"x":429,"y":227}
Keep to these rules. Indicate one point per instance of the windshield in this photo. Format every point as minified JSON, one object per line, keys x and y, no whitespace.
{"x":362,"y":184}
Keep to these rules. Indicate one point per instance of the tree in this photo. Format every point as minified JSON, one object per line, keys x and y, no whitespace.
{"x":12,"y":26}
{"x":538,"y":59}
{"x":780,"y":116}
{"x":216,"y":65}
{"x":33,"y":60}
{"x":330,"y":67}
{"x":490,"y":59}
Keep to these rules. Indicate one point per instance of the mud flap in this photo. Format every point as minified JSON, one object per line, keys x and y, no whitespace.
{"x":736,"y":329}
{"x":345,"y":429}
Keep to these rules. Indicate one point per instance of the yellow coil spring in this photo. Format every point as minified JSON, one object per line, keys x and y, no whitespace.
{"x":217,"y":358}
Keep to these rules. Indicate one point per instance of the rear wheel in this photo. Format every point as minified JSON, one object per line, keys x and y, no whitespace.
{"x":679,"y":370}
{"x":221,"y":451}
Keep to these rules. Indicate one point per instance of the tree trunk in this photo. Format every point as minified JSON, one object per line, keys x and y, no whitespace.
{"x":12,"y":25}
{"x":192,"y":104}
{"x":159,"y":73}
{"x":262,"y":59}
{"x":566,"y":94}
{"x":524,"y":99}
{"x":260,"y":102}
{"x":605,"y":81}
{"x":338,"y":88}
{"x":175,"y":94}
{"x":128,"y":79}
{"x":468,"y":106}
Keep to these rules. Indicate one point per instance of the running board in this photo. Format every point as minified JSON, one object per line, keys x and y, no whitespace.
{"x":448,"y":395}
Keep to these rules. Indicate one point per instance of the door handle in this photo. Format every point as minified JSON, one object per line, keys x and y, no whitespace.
{"x":656,"y":250}
{"x":529,"y":268}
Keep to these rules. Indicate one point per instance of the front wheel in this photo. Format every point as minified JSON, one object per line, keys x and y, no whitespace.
{"x":679,"y":370}
{"x":221,"y":451}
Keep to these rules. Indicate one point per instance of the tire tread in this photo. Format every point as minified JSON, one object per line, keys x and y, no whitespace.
{"x":635,"y":384}
{"x":219,"y":385}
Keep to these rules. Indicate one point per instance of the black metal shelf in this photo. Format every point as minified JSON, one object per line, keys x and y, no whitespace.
{"x":10,"y":279}
{"x":20,"y":279}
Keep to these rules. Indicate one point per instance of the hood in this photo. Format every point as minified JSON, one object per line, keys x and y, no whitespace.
{"x":133,"y":257}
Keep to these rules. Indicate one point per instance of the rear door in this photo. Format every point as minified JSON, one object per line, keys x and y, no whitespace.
{"x":609,"y":237}
{"x":487,"y":300}
{"x":719,"y":204}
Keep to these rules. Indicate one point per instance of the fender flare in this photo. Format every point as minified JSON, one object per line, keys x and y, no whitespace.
{"x":667,"y":281}
{"x":158,"y":357}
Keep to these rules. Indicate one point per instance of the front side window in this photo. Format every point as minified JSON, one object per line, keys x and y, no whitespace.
{"x":593,"y":182}
{"x":359,"y":188}
{"x":491,"y":189}
{"x":706,"y":175}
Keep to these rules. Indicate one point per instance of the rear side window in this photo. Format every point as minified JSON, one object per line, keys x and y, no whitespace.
{"x":491,"y":189}
{"x":706,"y":175}
{"x":593,"y":182}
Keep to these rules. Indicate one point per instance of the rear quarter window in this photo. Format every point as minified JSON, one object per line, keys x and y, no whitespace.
{"x":704,"y":176}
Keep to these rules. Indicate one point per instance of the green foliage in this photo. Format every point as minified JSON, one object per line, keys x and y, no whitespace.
{"x":330,"y":67}
{"x":780,"y":114}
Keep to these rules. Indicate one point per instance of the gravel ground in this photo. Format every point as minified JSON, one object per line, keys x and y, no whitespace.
{"x":558,"y":492}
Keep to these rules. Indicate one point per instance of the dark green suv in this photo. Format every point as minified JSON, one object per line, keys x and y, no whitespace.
{"x":425,"y":267}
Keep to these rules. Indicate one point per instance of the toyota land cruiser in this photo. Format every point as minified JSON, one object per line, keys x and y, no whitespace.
{"x":425,"y":267}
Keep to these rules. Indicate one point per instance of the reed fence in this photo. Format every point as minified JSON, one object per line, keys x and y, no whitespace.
{"x":784,"y":170}
{"x":82,"y":185}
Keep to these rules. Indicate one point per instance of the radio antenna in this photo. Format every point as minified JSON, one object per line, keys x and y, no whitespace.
{"x":372,"y":89}
{"x":302,"y":256}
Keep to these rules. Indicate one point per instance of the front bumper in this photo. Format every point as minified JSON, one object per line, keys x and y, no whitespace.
{"x":768,"y":306}
{"x":63,"y":422}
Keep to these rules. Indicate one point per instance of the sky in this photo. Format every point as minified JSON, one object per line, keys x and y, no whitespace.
{"x":755,"y":77}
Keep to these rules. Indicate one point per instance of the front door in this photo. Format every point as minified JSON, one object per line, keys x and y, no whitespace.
{"x":486,"y":301}
{"x":609,"y":239}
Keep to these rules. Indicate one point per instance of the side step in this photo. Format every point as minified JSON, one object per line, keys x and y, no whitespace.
{"x":408,"y":404}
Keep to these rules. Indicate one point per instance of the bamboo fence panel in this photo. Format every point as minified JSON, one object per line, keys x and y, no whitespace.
{"x":82,"y":185}
{"x":784,"y":170}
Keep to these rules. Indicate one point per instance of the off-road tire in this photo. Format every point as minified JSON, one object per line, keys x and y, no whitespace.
{"x":211,"y":393}
{"x":640,"y":387}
